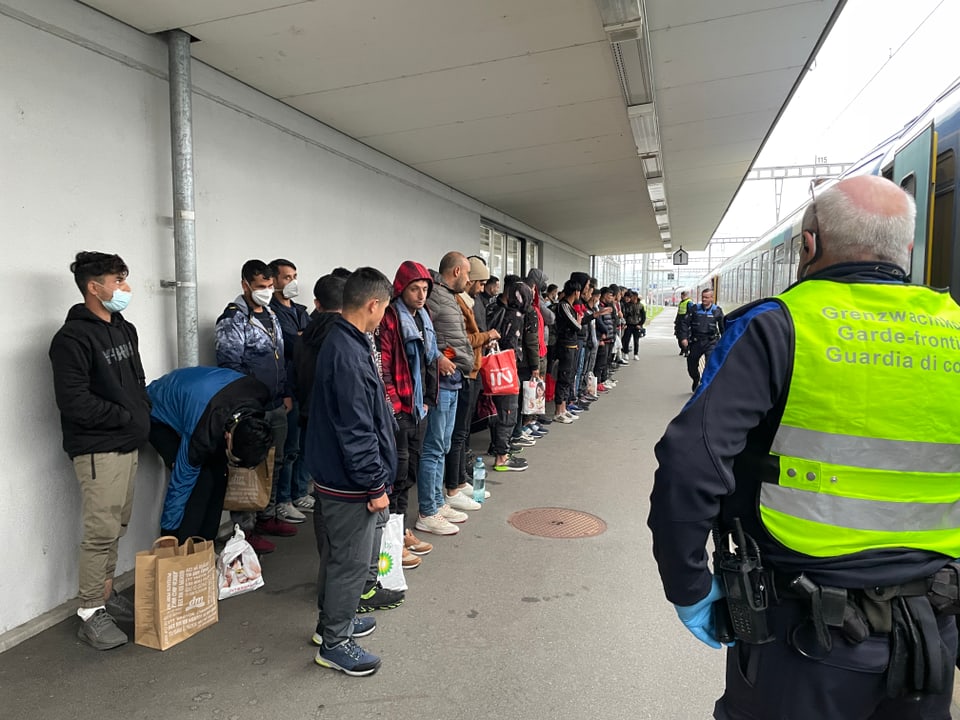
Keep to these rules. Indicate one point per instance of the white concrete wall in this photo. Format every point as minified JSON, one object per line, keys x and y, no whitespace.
{"x":84,"y":145}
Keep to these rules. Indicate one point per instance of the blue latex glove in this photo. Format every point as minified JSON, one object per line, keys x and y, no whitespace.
{"x":699,"y":617}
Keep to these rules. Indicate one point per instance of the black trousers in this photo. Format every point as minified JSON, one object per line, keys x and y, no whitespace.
{"x":409,"y":445}
{"x":631,"y":331}
{"x":775,"y":682}
{"x":201,"y":515}
{"x":697,"y":348}
{"x":455,"y":464}
{"x":600,"y":366}
{"x":566,"y":372}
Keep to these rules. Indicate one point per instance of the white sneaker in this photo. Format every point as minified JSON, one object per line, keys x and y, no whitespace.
{"x":562,"y":418}
{"x":454,"y":516}
{"x":436,"y":525}
{"x":288,"y":513}
{"x":636,"y":357}
{"x":459,"y":501}
{"x":305,"y":504}
{"x":571,"y":416}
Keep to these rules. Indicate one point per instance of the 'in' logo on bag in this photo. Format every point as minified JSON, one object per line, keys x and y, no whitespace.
{"x":502,"y":377}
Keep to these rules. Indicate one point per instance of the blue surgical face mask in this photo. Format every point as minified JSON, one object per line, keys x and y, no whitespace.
{"x":119,"y":301}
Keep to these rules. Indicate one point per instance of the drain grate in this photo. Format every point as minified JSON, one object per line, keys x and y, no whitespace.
{"x":557,"y":523}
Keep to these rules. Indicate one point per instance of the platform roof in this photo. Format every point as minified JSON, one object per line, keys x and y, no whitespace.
{"x":617,"y":126}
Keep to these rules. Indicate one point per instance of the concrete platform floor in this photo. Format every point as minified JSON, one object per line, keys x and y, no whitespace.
{"x":497,"y":624}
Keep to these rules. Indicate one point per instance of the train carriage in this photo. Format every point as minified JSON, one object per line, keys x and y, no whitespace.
{"x":921,"y":158}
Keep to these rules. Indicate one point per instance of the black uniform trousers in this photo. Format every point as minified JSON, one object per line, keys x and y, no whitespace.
{"x":201,"y":514}
{"x":699,"y":347}
{"x":775,"y":682}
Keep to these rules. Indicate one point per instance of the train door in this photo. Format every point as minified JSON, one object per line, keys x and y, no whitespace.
{"x":913,"y":171}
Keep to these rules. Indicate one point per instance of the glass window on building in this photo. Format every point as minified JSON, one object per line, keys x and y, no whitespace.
{"x":531,"y":254}
{"x":512,"y":256}
{"x":484,"y":250}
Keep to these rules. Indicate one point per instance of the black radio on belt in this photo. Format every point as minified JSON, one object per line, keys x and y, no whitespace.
{"x":746,"y":585}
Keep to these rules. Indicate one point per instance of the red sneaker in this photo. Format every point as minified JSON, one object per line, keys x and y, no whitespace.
{"x":273,"y":526}
{"x":260,"y":545}
{"x":601,"y":388}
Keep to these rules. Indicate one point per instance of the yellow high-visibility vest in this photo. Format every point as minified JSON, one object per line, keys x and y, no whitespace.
{"x":869,"y":443}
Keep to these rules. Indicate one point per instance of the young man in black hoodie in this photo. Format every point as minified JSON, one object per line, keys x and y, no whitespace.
{"x":105,"y":415}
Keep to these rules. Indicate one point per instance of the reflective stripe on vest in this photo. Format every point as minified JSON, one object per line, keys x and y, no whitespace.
{"x":869,"y":450}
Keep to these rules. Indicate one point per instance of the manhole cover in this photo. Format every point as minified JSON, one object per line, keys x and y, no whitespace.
{"x":557,"y":523}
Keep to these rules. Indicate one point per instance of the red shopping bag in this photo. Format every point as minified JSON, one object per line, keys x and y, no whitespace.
{"x":551,"y":387}
{"x":498,"y":371}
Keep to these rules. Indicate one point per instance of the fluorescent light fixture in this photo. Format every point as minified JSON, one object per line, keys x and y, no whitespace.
{"x":651,"y":166}
{"x":665,"y":235}
{"x":659,"y":206}
{"x":662,"y":218}
{"x":643,"y":122}
{"x":615,"y":13}
{"x":656,"y":191}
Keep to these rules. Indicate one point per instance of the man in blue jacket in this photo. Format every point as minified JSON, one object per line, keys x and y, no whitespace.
{"x":204,"y":418}
{"x":351,"y":454}
{"x":250,"y":340}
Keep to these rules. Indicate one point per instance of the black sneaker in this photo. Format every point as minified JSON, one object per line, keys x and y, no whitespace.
{"x":120,"y":608}
{"x":101,"y":631}
{"x":544,"y":420}
{"x":379,"y":598}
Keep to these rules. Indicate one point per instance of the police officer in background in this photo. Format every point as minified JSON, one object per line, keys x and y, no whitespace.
{"x":851,"y":496}
{"x":679,"y":319}
{"x":702,"y":326}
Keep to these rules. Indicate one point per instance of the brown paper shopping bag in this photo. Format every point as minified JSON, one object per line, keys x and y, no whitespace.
{"x":249,"y":488}
{"x":176,"y":591}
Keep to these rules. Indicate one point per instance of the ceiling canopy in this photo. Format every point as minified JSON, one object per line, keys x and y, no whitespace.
{"x":612,"y":130}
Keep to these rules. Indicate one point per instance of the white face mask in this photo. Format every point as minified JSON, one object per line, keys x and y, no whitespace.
{"x":262,"y":297}
{"x":291,"y":289}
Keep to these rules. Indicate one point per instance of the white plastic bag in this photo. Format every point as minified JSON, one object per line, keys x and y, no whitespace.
{"x":390,"y":569}
{"x":238,"y":568}
{"x":534,"y":394}
{"x":591,"y":384}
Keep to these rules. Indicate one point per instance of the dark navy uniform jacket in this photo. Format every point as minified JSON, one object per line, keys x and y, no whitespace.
{"x":715,"y":453}
{"x":702,"y":323}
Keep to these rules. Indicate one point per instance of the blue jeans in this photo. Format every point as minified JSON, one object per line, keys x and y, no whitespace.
{"x":302,"y":483}
{"x":436,"y":445}
{"x":291,"y":456}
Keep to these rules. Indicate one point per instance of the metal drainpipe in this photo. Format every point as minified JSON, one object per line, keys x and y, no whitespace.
{"x":184,"y":230}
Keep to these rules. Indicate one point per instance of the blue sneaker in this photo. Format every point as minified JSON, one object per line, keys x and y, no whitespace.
{"x":362,"y":626}
{"x":575,"y":409}
{"x":349,"y":658}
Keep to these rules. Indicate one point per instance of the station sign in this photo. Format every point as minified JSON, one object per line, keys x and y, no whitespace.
{"x":681,"y":257}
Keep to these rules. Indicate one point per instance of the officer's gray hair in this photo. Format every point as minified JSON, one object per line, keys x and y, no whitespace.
{"x":853,"y":233}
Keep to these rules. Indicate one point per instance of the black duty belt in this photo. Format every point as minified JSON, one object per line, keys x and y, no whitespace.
{"x":906,"y":612}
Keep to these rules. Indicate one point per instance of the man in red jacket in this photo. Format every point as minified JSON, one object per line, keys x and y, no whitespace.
{"x":408,"y":360}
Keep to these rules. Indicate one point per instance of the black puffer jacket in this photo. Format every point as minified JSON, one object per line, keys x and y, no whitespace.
{"x":99,"y":384}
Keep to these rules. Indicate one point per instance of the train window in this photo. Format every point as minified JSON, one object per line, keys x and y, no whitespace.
{"x":766,"y":277}
{"x":780,"y":268}
{"x":794,"y":258}
{"x":909,"y":185}
{"x":944,"y":207}
{"x":754,"y":279}
{"x":887,"y":172}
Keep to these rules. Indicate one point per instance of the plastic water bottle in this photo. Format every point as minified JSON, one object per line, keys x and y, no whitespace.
{"x":479,"y":480}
